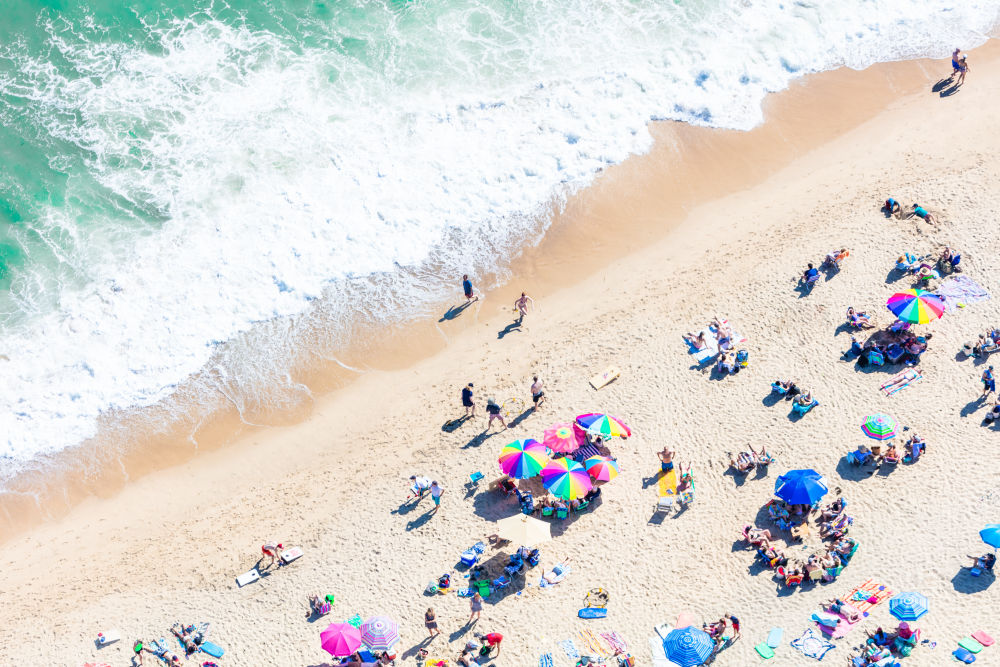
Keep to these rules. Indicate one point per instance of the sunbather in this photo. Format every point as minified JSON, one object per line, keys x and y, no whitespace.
{"x":858,"y":319}
{"x":353,"y":660}
{"x":757,"y":537}
{"x":555,"y":575}
{"x":985,"y":562}
{"x":763,"y":456}
{"x":743,"y":463}
{"x":833,"y":509}
{"x":838,"y":606}
{"x":666,"y":460}
{"x":805,"y":398}
{"x":316,"y":604}
{"x":697,"y":342}
{"x":188,"y":639}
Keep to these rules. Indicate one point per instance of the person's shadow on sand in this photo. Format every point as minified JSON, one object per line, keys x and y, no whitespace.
{"x":419,"y":521}
{"x":513,"y":326}
{"x":946,"y":87}
{"x":455,"y":311}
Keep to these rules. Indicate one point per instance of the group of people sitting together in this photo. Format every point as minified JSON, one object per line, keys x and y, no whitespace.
{"x":827,"y":565}
{"x":191,"y":637}
{"x":552,"y":506}
{"x":874,"y":456}
{"x":366,"y":659}
{"x":882,"y":648}
{"x":748,"y":460}
{"x":894,"y":345}
{"x":802,"y":399}
{"x":719,"y":329}
{"x":988,"y":343}
{"x":928,"y":267}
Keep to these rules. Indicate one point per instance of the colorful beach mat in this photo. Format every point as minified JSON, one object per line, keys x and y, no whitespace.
{"x":867,"y":596}
{"x":901,"y":380}
{"x":615,"y":641}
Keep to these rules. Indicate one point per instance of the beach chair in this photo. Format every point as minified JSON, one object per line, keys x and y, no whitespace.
{"x":500,"y":583}
{"x":562,"y":513}
{"x":858,"y":458}
{"x":817,"y":574}
{"x":548,"y":510}
{"x":875,"y":358}
{"x":584,"y":504}
{"x":664,"y":503}
{"x":482,"y":587}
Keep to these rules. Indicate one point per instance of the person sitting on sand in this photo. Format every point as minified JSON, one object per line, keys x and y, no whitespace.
{"x":922,"y":213}
{"x":891,"y":206}
{"x":788,"y":386}
{"x":859,"y":320}
{"x":805,"y":398}
{"x":835,"y":257}
{"x":879,"y":638}
{"x":353,"y":660}
{"x":726,"y":364}
{"x":697,"y":342}
{"x":316,"y":604}
{"x":915,"y":446}
{"x":993,"y":414}
{"x":757,"y":537}
{"x":984,"y":562}
{"x":811,"y":274}
{"x":833,"y":509}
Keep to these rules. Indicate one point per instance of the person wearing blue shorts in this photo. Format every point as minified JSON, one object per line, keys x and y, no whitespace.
{"x":989,"y":383}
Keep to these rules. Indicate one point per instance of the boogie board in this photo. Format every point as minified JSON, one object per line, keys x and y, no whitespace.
{"x":592,"y":612}
{"x":774,"y":637}
{"x":213,"y":650}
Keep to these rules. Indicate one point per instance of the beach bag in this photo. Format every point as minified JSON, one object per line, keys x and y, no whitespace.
{"x":743,"y":358}
{"x":626,"y":661}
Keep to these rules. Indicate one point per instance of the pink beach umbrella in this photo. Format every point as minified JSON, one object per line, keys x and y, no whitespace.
{"x":563,"y":438}
{"x":340,"y":639}
{"x":602,"y":468}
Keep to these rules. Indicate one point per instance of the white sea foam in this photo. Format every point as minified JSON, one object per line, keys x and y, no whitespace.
{"x":297,"y":187}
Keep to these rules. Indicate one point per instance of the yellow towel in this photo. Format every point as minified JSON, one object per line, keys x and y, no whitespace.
{"x":667,"y":485}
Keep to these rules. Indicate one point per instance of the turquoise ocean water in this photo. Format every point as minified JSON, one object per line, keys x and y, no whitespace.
{"x":193,"y":192}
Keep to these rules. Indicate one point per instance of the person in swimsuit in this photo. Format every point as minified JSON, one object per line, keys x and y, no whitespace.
{"x":735,"y":622}
{"x":537,"y":394}
{"x":186,"y":639}
{"x":470,"y":296}
{"x":666,"y":460}
{"x":521,"y":305}
{"x":963,"y":69}
{"x":476,"y":607}
{"x":956,"y":66}
{"x":137,"y":649}
{"x":697,"y":342}
{"x":430,"y":622}
{"x":467,"y":402}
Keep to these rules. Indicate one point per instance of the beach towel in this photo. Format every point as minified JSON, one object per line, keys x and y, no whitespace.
{"x":545,"y":660}
{"x":840,"y":630}
{"x":585,"y":452}
{"x":569,"y":647}
{"x":659,"y":656}
{"x":867,"y":595}
{"x":593,"y":643}
{"x":901,"y":381}
{"x":961,"y":290}
{"x":615,"y":641}
{"x":666,"y":485}
{"x":684,"y":619}
{"x":812,"y":645}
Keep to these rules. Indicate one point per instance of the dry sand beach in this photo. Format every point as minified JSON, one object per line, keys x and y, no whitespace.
{"x":168,"y":546}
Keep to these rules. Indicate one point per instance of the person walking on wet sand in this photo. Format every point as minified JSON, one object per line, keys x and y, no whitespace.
{"x":467,"y":402}
{"x":963,"y":69}
{"x":521,"y":305}
{"x":537,"y":392}
{"x":470,"y":296}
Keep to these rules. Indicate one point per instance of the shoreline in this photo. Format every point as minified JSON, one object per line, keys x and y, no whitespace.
{"x":656,"y":191}
{"x":169,"y":544}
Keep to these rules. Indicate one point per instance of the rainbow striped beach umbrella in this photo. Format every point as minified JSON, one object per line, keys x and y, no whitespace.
{"x":340,"y":639}
{"x":879,"y":426}
{"x":522,"y":459}
{"x":603,"y":468}
{"x":380,"y":633}
{"x":916,"y":305}
{"x":566,"y":478}
{"x":563,"y":438}
{"x":605,"y":426}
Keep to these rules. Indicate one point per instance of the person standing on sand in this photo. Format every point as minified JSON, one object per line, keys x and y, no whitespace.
{"x":430,"y":622}
{"x":436,"y":492}
{"x":137,"y":649}
{"x":467,"y":402}
{"x":537,"y":393}
{"x":271,"y":550}
{"x":470,"y":296}
{"x":989,"y":383}
{"x":736,"y":625}
{"x":956,"y":66}
{"x":666,"y":460}
{"x":963,"y":69}
{"x":521,"y":305}
{"x":493,"y":409}
{"x":476,"y":607}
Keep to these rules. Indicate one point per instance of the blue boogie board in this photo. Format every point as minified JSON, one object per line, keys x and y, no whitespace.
{"x":592,"y":612}
{"x":213,"y":650}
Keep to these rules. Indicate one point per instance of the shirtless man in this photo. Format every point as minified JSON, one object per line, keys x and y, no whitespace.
{"x":522,"y":306}
{"x":537,"y":392}
{"x":666,"y":460}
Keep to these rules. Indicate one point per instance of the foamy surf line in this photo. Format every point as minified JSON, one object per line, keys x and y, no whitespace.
{"x":236,"y":193}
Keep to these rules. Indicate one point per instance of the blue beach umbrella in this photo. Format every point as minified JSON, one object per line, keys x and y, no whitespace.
{"x":688,"y":646}
{"x":908,"y":606}
{"x":991,"y":535}
{"x":800,"y":487}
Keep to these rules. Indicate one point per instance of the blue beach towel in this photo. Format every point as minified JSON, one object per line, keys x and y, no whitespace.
{"x":812,"y":645}
{"x":545,"y":660}
{"x":570,"y":648}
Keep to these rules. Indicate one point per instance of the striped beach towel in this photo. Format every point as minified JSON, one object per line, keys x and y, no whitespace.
{"x":615,"y":641}
{"x":867,"y":596}
{"x":593,"y":643}
{"x":569,"y":647}
{"x":545,"y":660}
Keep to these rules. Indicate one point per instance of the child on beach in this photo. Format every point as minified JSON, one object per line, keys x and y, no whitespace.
{"x":467,"y":402}
{"x":470,"y":296}
{"x":521,"y":305}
